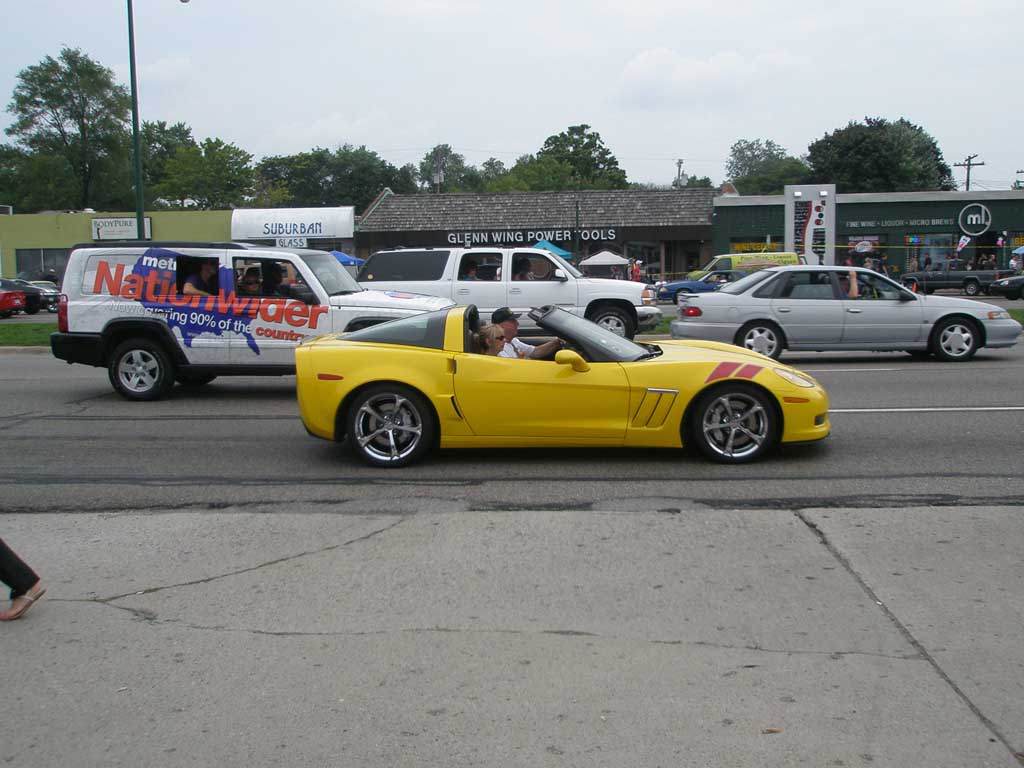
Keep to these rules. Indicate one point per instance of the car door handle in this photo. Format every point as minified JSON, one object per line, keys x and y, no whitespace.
{"x":515,"y":290}
{"x":853,"y":311}
{"x":785,"y":309}
{"x":462,"y":290}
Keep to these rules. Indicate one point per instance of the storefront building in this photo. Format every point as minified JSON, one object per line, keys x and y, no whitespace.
{"x":38,"y":244}
{"x":668,"y":230}
{"x":902,"y":227}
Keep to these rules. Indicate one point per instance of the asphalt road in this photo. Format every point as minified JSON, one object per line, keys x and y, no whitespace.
{"x":226,"y":590}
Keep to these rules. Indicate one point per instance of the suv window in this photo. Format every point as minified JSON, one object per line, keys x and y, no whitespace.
{"x":532,"y":266}
{"x":480,"y":266}
{"x":404,"y":265}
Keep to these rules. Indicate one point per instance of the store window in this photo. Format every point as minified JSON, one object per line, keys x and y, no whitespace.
{"x":41,"y":263}
{"x":928,"y":251}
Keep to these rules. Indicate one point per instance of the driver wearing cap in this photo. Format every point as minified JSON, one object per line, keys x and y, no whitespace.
{"x":515,"y":348}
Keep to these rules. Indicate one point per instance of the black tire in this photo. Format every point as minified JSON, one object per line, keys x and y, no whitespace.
{"x":390,"y":425}
{"x":32,"y":310}
{"x":1020,"y":294}
{"x":194,"y":379}
{"x":733,"y":423}
{"x":972,"y":287}
{"x":613,"y":319}
{"x":955,"y":339}
{"x":762,"y":336}
{"x":139,"y":369}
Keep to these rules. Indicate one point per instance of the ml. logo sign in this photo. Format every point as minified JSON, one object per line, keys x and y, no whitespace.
{"x":975,"y":219}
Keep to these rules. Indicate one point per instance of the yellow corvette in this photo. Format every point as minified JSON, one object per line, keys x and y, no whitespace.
{"x":399,"y":389}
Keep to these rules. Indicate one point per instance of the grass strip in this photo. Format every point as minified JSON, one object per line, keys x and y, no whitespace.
{"x":26,"y":334}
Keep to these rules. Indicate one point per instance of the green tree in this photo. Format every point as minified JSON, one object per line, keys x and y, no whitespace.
{"x":457,"y":175}
{"x":535,"y":174}
{"x":160,"y":142}
{"x":213,"y":175}
{"x":492,"y":170}
{"x":879,"y":156}
{"x":72,"y":109}
{"x":33,"y":181}
{"x":749,"y":157}
{"x":582,"y":150}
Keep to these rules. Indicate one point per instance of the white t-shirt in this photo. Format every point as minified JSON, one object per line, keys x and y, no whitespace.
{"x":517,"y":349}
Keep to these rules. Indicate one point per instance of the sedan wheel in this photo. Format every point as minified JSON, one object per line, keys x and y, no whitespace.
{"x":955,"y":340}
{"x":763,"y":338}
{"x":390,"y":426}
{"x":734,"y":423}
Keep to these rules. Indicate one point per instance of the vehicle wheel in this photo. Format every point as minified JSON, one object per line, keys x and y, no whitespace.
{"x":763,"y":337}
{"x":194,"y":379}
{"x":615,"y":320}
{"x":139,"y":369}
{"x":1020,"y":295}
{"x":390,"y":425}
{"x":5,"y":314}
{"x":734,"y":423}
{"x":954,"y":340}
{"x":972,"y":287}
{"x":33,"y":310}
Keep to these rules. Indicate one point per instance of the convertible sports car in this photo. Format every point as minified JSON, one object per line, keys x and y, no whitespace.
{"x":398,"y":389}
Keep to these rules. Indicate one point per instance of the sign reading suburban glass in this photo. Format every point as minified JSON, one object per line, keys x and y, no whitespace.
{"x":292,"y":223}
{"x":119,"y":229}
{"x":527,"y":236}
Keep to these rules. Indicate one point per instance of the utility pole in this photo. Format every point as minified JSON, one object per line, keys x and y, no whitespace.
{"x":680,"y":181}
{"x":438,"y":169}
{"x":967,"y":164}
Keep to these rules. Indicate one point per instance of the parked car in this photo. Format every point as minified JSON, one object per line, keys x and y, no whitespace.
{"x":396,"y":390}
{"x":1010,"y":287}
{"x":712,"y":281}
{"x":519,"y":278}
{"x":748,"y":262}
{"x":35,"y":298}
{"x":50,"y":291}
{"x":11,"y":302}
{"x":953,"y":274}
{"x":817,"y":308}
{"x":134,"y":310}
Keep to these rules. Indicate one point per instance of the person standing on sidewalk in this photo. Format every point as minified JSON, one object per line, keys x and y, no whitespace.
{"x":26,"y":588}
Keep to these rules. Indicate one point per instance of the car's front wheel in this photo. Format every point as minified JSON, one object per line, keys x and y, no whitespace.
{"x":139,"y":369}
{"x":972,"y":287}
{"x":955,"y":339}
{"x":734,"y":423}
{"x":390,"y":425}
{"x":762,"y":337}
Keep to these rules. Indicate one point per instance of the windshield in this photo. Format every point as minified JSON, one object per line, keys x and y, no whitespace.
{"x":596,"y":343}
{"x":559,"y":261}
{"x":333,"y":277}
{"x":746,"y":283}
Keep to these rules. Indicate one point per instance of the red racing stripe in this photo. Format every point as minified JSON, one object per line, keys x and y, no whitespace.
{"x":748,"y":371}
{"x":722,"y":371}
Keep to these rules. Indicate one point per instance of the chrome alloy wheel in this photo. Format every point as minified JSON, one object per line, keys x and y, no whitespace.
{"x":957,"y":340}
{"x":735,"y":425}
{"x":388,"y":427}
{"x":763,"y":340}
{"x":138,"y":371}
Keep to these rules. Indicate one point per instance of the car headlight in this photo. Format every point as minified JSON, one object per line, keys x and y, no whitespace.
{"x":999,"y":314}
{"x":795,"y":378}
{"x":1002,"y":282}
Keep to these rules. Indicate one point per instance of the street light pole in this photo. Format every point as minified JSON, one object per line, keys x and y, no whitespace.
{"x":140,"y":204}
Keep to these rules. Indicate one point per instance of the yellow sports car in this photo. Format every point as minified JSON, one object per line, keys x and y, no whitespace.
{"x":399,"y":389}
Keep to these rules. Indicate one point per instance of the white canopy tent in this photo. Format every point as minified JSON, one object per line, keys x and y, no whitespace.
{"x":604,"y":259}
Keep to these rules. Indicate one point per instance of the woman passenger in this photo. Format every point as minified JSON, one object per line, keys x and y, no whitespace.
{"x":489,"y":340}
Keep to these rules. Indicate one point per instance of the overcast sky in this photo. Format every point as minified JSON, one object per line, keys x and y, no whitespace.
{"x":658,"y":79}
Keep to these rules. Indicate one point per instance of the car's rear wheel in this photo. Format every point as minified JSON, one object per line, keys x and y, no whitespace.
{"x":762,"y":337}
{"x":613,"y":319}
{"x":955,"y":339}
{"x":139,"y":369}
{"x":390,"y":425}
{"x":734,"y":423}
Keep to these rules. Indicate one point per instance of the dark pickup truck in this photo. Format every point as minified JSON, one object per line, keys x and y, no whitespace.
{"x":954,"y":274}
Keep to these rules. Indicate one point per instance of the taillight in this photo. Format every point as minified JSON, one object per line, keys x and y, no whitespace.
{"x":62,"y":313}
{"x":690,"y":312}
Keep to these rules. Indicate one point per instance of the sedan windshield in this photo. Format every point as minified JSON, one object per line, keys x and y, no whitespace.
{"x":746,"y":283}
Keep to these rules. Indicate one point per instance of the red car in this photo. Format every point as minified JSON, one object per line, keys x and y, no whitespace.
{"x":11,"y":302}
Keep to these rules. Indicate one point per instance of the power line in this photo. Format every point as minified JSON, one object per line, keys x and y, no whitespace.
{"x":967,"y":163}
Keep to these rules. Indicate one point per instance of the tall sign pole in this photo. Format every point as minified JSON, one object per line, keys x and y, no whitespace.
{"x":140,"y":205}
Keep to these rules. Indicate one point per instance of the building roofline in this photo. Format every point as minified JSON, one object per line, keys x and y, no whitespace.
{"x":878,"y":197}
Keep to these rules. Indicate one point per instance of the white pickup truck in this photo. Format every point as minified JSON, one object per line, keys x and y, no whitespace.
{"x":519,"y":278}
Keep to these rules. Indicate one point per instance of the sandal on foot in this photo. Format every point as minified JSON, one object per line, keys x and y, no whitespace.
{"x":22,"y":603}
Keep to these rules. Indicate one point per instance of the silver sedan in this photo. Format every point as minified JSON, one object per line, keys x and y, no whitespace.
{"x":817,"y":308}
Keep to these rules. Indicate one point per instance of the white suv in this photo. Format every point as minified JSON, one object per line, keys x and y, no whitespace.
{"x":520,"y":278}
{"x":156,"y":313}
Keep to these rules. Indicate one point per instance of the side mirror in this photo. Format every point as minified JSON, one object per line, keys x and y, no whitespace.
{"x":568,"y":357}
{"x":907,"y":296}
{"x":302,"y":293}
{"x":560,"y":275}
